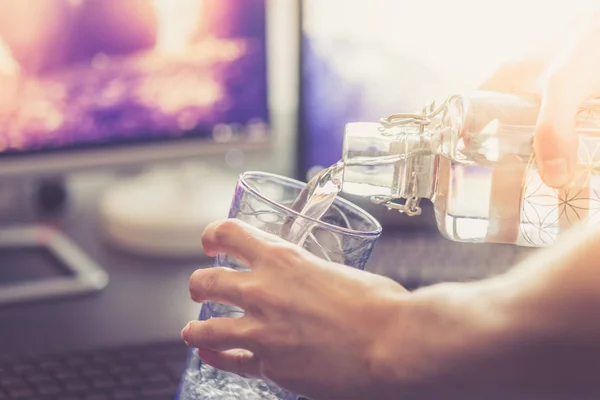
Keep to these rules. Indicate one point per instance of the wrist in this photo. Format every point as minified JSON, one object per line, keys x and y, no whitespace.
{"x":441,"y":339}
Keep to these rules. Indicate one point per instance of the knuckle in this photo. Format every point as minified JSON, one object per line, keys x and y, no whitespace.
{"x":286,"y":253}
{"x":226,"y":229}
{"x":202,"y":333}
{"x":206,"y":333}
{"x":210,"y":280}
{"x":254,"y":293}
{"x":204,"y":282}
{"x":255,"y":334}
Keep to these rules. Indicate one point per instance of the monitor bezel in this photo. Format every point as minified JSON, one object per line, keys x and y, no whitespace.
{"x":138,"y":152}
{"x":301,"y":165}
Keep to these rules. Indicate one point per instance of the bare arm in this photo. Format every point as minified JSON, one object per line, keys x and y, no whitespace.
{"x":534,"y":332}
{"x":332,"y":332}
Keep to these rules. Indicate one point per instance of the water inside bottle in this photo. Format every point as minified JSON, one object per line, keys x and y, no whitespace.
{"x":493,"y":192}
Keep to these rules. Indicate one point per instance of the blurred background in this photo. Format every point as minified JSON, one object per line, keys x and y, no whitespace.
{"x":125,"y":123}
{"x":365,"y":62}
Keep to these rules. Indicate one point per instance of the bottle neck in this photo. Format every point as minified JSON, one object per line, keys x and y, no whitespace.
{"x":389,"y":163}
{"x":416,"y":172}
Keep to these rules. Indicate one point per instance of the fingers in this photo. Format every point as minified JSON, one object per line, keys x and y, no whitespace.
{"x":218,"y":333}
{"x":572,"y":79}
{"x":218,"y":284}
{"x":505,"y":201}
{"x":237,"y":361}
{"x":555,"y":139}
{"x":517,"y":77}
{"x":236,"y":238}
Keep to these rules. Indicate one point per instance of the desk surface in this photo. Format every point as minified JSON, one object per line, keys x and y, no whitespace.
{"x":147,"y":300}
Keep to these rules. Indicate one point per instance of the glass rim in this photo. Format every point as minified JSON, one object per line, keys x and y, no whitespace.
{"x":347,"y":231}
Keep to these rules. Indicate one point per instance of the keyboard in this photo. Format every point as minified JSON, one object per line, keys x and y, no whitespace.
{"x":145,"y":372}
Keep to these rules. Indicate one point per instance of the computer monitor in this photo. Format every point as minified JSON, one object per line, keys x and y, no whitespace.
{"x":89,"y":83}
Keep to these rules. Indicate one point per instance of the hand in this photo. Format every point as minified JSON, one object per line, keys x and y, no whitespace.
{"x":563,"y":73}
{"x":311,"y":326}
{"x":331,"y":332}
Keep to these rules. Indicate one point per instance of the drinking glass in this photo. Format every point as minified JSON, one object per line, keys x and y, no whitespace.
{"x":345,"y":234}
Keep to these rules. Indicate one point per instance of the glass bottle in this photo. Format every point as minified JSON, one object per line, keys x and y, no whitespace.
{"x":473,"y":158}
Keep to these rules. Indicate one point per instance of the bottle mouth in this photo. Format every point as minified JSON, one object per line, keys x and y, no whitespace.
{"x":371,"y":160}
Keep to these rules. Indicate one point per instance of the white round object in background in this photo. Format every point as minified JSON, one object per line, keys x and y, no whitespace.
{"x":162,"y":213}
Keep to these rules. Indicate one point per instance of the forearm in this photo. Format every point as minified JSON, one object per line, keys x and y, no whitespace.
{"x":531,"y":333}
{"x":550,"y":307}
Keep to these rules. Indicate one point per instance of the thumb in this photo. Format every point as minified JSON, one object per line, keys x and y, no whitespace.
{"x":572,"y":79}
{"x":555,"y":139}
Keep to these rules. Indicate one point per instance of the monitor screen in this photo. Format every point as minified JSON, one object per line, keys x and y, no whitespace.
{"x":91,"y":73}
{"x":364,"y":60}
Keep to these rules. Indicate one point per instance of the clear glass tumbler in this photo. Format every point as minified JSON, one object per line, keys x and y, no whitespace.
{"x":345,"y":234}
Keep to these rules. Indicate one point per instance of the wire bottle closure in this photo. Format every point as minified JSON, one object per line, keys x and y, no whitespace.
{"x":411,"y":206}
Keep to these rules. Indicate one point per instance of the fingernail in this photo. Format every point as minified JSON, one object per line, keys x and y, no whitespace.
{"x":556,"y":172}
{"x":184,"y":333}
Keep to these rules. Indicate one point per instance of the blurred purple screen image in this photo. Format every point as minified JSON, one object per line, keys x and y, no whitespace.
{"x":83,"y":73}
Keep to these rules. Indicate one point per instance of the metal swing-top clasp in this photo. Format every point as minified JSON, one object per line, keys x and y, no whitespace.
{"x":411,"y":206}
{"x":423,"y":119}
